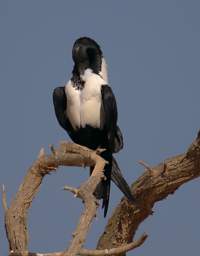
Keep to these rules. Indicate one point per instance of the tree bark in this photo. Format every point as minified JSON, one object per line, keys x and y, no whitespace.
{"x":154,"y":185}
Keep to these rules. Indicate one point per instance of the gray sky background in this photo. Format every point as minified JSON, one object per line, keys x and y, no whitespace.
{"x":152,"y":50}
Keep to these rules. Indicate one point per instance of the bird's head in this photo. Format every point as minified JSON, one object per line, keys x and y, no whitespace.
{"x":86,"y":53}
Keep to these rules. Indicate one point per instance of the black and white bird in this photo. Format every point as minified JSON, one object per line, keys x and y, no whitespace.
{"x":86,"y":108}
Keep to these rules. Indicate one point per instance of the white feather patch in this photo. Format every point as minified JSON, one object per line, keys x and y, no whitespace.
{"x":84,"y":106}
{"x":104,"y":72}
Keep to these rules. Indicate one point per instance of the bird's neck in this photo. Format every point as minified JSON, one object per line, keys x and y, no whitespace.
{"x":79,"y":76}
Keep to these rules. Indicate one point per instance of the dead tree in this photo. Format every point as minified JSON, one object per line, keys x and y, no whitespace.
{"x":155,"y":184}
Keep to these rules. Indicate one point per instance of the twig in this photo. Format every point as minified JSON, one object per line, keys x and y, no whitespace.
{"x":4,"y":200}
{"x":72,"y":190}
{"x":35,"y":254}
{"x":117,"y":250}
{"x":87,"y":252}
{"x":141,"y":162}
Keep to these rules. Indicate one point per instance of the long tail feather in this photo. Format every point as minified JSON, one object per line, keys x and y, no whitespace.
{"x":112,"y":172}
{"x":103,"y":189}
{"x":119,"y":180}
{"x":106,"y":183}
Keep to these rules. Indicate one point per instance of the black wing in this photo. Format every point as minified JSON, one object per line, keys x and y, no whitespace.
{"x":60,"y":107}
{"x":109,"y":121}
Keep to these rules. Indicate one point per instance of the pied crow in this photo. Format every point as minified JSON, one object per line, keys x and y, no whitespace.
{"x":86,"y":108}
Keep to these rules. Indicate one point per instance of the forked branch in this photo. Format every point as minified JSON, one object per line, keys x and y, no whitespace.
{"x":154,"y":185}
{"x":68,"y":154}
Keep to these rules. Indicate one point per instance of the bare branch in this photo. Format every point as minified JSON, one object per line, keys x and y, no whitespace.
{"x":148,"y":189}
{"x":87,"y":252}
{"x":86,"y":193}
{"x":72,"y":190}
{"x":67,"y":154}
{"x":35,"y":254}
{"x":118,"y":250}
{"x":154,"y":185}
{"x":145,"y":165}
{"x":4,"y":200}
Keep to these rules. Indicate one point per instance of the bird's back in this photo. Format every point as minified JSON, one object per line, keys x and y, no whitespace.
{"x":84,"y":106}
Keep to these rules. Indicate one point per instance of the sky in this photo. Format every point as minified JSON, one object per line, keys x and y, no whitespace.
{"x":153,"y":55}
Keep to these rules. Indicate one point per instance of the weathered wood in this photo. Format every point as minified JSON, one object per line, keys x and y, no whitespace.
{"x":86,"y":193}
{"x":67,"y":154}
{"x":154,"y":185}
{"x":86,"y":252}
{"x":16,"y":214}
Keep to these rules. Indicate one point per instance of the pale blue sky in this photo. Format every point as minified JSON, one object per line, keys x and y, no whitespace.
{"x":152,"y":51}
